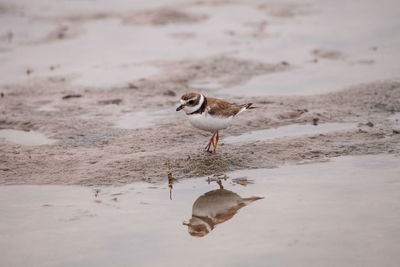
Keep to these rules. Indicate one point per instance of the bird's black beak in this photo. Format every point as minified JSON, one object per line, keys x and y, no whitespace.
{"x":180,"y":107}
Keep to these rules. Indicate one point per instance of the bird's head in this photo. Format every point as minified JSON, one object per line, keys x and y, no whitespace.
{"x":198,"y":227}
{"x":190,"y":102}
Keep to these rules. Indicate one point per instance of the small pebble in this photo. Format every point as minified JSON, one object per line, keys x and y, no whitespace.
{"x":116,"y":101}
{"x":71,"y":96}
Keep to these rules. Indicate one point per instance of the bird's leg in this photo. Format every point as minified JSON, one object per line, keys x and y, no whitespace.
{"x":216,"y":142}
{"x":210,"y":142}
{"x":219,"y":182}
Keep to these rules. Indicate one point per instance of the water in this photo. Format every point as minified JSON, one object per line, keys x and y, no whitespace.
{"x":289,"y":131}
{"x":30,"y":138}
{"x":340,"y":213}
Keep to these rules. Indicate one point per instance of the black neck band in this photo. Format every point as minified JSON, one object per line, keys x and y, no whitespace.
{"x":201,"y":109}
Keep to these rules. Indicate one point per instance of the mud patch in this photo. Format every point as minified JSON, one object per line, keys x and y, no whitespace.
{"x":162,"y":16}
{"x":285,"y":10}
{"x":327,"y":53}
{"x":364,"y":62}
{"x":220,"y":70}
{"x":85,"y":17}
{"x":62,"y":32}
{"x":154,"y":17}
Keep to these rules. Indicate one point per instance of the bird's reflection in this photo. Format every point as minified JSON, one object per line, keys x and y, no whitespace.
{"x":215,"y":207}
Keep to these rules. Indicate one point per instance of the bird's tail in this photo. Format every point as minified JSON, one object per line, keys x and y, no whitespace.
{"x":249,"y":106}
{"x":245,"y":106}
{"x":248,"y":200}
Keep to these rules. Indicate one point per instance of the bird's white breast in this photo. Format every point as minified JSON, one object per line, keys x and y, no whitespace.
{"x":210,"y":123}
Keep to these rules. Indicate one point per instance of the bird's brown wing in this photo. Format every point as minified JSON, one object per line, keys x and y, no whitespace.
{"x":219,"y":107}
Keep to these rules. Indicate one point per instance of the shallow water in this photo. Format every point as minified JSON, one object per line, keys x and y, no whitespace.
{"x":289,"y":131}
{"x":341,"y":213}
{"x":30,"y":138}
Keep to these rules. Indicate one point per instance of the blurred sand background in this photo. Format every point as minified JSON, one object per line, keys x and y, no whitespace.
{"x":89,"y":88}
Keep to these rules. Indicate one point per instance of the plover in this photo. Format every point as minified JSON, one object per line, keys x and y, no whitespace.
{"x":213,"y":208}
{"x":210,"y":114}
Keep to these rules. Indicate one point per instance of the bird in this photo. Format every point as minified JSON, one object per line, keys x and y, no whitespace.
{"x":210,"y":114}
{"x":213,"y":208}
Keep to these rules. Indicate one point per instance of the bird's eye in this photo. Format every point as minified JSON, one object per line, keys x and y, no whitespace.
{"x":191,"y":102}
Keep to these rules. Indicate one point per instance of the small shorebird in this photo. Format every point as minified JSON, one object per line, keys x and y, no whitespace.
{"x":213,"y":208}
{"x":210,"y":114}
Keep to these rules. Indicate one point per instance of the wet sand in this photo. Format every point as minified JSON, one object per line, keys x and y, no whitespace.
{"x":93,"y":149}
